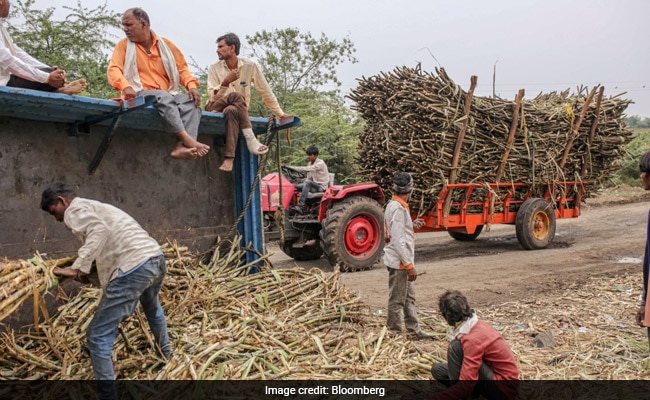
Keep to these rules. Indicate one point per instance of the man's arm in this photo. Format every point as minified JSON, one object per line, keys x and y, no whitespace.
{"x":308,"y":168}
{"x":219,"y":81}
{"x":265,"y":92}
{"x":186,"y":78}
{"x":115,"y":72}
{"x":472,"y":360}
{"x":22,"y":65}
{"x":88,"y":225}
{"x":214,"y":80}
{"x":397,"y":226}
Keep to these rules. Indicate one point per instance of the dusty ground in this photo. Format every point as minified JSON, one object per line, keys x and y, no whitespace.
{"x":583,"y":291}
{"x":607,"y":239}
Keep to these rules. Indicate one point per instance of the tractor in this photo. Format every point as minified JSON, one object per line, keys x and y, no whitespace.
{"x":345,"y":223}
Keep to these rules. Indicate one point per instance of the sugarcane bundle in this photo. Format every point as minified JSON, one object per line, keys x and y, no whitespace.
{"x":426,"y":124}
{"x":21,"y":280}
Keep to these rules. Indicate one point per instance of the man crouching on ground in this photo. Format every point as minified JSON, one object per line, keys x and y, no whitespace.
{"x":479,"y":361}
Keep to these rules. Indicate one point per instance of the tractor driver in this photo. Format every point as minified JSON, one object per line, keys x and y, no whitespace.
{"x":317,"y":180}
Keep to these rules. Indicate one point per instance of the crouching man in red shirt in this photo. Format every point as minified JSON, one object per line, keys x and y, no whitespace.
{"x":479,"y":361}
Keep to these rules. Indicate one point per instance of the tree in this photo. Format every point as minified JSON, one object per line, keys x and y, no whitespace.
{"x":296,"y":61}
{"x":299,"y":68}
{"x":636,"y":122}
{"x":79,"y":44}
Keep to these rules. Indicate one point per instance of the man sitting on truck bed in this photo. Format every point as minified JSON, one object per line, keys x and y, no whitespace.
{"x":19,"y":69}
{"x":143,"y":64}
{"x":234,"y":74}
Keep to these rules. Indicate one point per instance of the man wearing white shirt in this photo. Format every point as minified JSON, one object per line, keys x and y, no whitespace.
{"x":19,"y":69}
{"x":317,"y":180}
{"x":130,"y":266}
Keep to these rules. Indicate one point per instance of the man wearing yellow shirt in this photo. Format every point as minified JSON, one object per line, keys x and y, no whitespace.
{"x":146,"y":64}
{"x":234,"y":74}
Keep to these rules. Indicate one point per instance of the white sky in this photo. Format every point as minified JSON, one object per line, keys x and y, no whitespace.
{"x":537,"y":45}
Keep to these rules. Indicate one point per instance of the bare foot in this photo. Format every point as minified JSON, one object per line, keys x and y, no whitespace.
{"x":226,"y":165}
{"x":184,"y":153}
{"x":190,"y":142}
{"x":73,"y":87}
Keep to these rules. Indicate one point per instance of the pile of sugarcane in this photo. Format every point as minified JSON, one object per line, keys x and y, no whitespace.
{"x":295,"y":324}
{"x":426,"y":124}
{"x":24,"y":279}
{"x":225,"y":323}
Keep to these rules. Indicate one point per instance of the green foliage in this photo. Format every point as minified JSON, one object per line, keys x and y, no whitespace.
{"x":629,"y":171}
{"x":79,"y":44}
{"x":201,"y":75}
{"x":330,"y":125}
{"x":636,"y":122}
{"x":298,"y":67}
{"x":293,"y":61}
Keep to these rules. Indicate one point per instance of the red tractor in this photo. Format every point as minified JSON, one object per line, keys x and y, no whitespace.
{"x":346,"y":222}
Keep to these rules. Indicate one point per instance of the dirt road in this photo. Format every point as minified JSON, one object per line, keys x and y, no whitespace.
{"x":608,"y":238}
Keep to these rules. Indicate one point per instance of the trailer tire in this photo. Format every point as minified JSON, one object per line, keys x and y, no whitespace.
{"x":306,"y":253}
{"x":535,"y":224}
{"x":466,"y":237}
{"x":353,"y":234}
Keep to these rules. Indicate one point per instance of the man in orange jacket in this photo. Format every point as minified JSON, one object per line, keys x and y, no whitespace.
{"x":146,"y":64}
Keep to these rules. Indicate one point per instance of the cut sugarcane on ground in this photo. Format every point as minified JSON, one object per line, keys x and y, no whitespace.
{"x":297,"y":323}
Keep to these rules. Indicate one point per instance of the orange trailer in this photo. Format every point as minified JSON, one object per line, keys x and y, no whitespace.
{"x":464,"y":209}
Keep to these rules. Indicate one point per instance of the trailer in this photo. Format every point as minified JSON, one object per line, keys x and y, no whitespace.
{"x":465,"y":209}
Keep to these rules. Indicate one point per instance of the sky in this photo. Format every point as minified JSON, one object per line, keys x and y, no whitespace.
{"x":536,"y":45}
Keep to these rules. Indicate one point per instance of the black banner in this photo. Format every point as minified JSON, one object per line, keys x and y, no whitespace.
{"x":308,"y":390}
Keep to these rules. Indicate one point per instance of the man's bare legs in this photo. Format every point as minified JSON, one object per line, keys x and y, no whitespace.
{"x":188,"y":148}
{"x":73,"y":87}
{"x":226,"y":165}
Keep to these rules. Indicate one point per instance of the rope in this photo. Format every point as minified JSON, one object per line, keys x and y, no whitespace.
{"x":278,"y":216}
{"x":233,"y":229}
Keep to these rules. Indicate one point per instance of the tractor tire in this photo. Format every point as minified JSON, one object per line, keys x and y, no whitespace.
{"x":466,"y":237}
{"x":352,"y":236}
{"x":304,"y":253}
{"x":535,"y":224}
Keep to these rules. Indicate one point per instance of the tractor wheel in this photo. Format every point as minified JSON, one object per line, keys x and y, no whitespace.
{"x":466,"y":237}
{"x":353,"y":234}
{"x":535,"y":224}
{"x":304,"y":253}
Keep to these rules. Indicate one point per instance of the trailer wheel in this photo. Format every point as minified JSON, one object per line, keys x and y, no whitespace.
{"x":535,"y":224}
{"x":305,"y":253}
{"x":353,"y":233}
{"x":466,"y":237}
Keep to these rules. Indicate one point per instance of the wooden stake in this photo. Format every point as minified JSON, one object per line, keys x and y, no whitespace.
{"x":576,"y":127}
{"x":511,"y":139}
{"x":592,"y":131}
{"x":459,"y":142}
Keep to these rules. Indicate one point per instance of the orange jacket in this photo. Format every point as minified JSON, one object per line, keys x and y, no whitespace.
{"x":150,"y":67}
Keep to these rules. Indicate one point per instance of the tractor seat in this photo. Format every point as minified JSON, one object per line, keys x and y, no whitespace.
{"x":318,"y":195}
